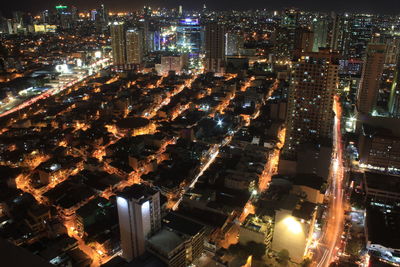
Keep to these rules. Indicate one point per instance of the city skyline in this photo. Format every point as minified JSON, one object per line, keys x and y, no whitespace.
{"x":384,"y":6}
{"x":167,"y":137}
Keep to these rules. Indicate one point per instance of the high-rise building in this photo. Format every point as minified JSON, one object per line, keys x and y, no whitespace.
{"x":63,"y":16}
{"x":286,"y":35}
{"x":103,"y":13}
{"x":215,"y":47}
{"x":134,"y":48}
{"x":392,"y":50}
{"x":370,"y":79}
{"x":118,"y":43}
{"x":320,"y":27}
{"x":354,"y":34}
{"x":234,"y":42}
{"x":189,"y":36}
{"x":172,"y":63}
{"x":290,"y":18}
{"x":333,"y":31}
{"x":314,"y":79}
{"x":139,"y":218}
{"x":394,"y":100}
{"x":304,"y":40}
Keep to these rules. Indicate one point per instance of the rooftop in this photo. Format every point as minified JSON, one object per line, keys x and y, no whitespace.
{"x":138,"y":191}
{"x":166,"y":241}
{"x":382,"y":227}
{"x":384,"y":182}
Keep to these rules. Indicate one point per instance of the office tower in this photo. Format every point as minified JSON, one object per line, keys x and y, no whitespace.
{"x":146,"y":30}
{"x":394,"y":100}
{"x":215,"y":48}
{"x":64,"y":16}
{"x":286,"y":35}
{"x":172,"y":63}
{"x":180,"y":11}
{"x":93,"y":14}
{"x":320,"y":27}
{"x":103,"y":13}
{"x":139,"y":218}
{"x":45,"y":17}
{"x":314,"y":79}
{"x":74,"y":13}
{"x":379,"y":147}
{"x":334,"y":31}
{"x":118,"y":43}
{"x":355,"y":32}
{"x":189,"y":36}
{"x":370,"y":79}
{"x":290,"y":18}
{"x":134,"y":48}
{"x":392,"y":50}
{"x":234,"y":42}
{"x":304,"y":40}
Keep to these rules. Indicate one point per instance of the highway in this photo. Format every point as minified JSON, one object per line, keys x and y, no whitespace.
{"x":329,"y":244}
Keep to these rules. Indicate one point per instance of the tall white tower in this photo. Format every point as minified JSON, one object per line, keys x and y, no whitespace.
{"x":139,"y":218}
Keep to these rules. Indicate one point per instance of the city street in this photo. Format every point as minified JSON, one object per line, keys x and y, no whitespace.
{"x":329,"y":243}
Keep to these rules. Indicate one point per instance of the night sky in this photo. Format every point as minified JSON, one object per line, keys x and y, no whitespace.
{"x":377,"y":6}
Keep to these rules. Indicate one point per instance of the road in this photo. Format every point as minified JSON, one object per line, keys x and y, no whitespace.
{"x":330,"y":241}
{"x":53,"y":91}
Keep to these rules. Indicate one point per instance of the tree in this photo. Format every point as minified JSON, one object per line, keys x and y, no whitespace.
{"x":283,"y":256}
{"x":354,"y":246}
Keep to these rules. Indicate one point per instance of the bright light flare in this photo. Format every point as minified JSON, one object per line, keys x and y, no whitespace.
{"x":293,"y":225}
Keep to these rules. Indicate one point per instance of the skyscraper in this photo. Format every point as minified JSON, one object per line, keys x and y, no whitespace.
{"x":320,"y":27}
{"x":139,"y":218}
{"x":394,"y":100}
{"x":118,"y":43}
{"x":314,"y":79}
{"x":234,"y":42}
{"x":134,"y":47}
{"x":215,"y":47}
{"x":370,"y":79}
{"x":304,"y":40}
{"x":189,"y":36}
{"x":286,"y":35}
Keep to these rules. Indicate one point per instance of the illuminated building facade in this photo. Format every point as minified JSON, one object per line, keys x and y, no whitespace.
{"x":234,"y":42}
{"x":394,"y":100}
{"x":320,"y":27}
{"x":354,"y":32}
{"x":314,"y":80}
{"x":139,"y":218}
{"x":190,"y":37}
{"x":370,"y":80}
{"x":286,"y":35}
{"x":172,"y":63}
{"x":64,"y":16}
{"x":215,"y":48}
{"x":379,"y":149}
{"x":134,"y":48}
{"x":118,"y":43}
{"x":293,"y":227}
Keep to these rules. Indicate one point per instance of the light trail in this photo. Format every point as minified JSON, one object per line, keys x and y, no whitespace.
{"x":334,"y":224}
